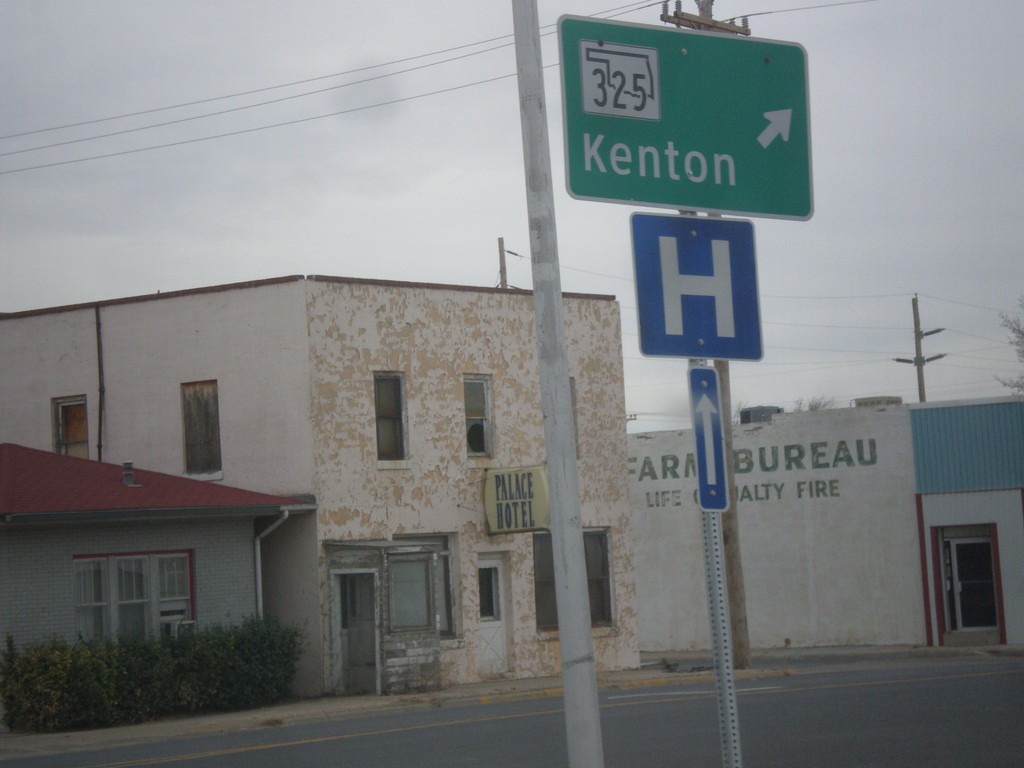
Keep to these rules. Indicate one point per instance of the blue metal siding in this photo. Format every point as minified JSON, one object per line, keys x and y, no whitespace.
{"x":968,"y":447}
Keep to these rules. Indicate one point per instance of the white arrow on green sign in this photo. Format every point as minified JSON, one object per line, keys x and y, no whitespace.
{"x":689,"y":120}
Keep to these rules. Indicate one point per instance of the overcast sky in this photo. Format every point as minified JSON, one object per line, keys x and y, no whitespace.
{"x":383,"y":141}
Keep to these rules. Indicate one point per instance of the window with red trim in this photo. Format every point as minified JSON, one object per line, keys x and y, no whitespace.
{"x":144,"y":595}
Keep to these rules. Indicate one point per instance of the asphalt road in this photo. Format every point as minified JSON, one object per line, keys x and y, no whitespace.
{"x":946,"y":712}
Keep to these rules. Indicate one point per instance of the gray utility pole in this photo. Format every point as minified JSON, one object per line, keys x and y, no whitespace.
{"x":919,"y":358}
{"x":579,"y":676}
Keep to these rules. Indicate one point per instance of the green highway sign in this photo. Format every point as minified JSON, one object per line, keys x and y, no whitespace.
{"x":697,"y":121}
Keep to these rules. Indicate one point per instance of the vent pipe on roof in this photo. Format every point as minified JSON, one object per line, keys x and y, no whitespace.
{"x":129,"y":474}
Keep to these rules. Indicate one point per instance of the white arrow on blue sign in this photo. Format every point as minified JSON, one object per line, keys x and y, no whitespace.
{"x":696,"y":287}
{"x":709,"y":434}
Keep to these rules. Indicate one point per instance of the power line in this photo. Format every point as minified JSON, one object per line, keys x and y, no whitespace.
{"x":256,"y":129}
{"x":961,"y":303}
{"x":837,"y":298}
{"x":218,"y":113}
{"x":618,"y":11}
{"x":279,"y":86}
{"x":839,"y":327}
{"x":804,"y":8}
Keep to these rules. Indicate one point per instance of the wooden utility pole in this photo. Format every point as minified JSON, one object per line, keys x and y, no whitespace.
{"x":703,"y":21}
{"x":737,"y":596}
{"x":502,"y":271}
{"x":741,"y":658}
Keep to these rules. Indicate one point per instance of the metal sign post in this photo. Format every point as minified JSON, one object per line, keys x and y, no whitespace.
{"x":697,"y":297}
{"x":705,"y":405}
{"x":721,"y":637}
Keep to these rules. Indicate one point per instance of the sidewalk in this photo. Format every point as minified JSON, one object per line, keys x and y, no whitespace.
{"x":657,"y":669}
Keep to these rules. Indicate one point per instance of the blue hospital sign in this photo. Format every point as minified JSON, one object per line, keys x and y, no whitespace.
{"x":696,"y":287}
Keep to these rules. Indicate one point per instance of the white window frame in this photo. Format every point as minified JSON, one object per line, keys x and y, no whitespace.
{"x":88,"y":604}
{"x":61,"y":442}
{"x":483,"y":420}
{"x":164,"y":615}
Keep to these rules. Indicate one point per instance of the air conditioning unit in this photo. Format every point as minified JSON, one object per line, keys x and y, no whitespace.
{"x":176,"y":628}
{"x":758,"y":413}
{"x":879,"y":401}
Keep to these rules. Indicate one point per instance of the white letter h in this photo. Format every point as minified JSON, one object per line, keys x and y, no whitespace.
{"x":717,"y":285}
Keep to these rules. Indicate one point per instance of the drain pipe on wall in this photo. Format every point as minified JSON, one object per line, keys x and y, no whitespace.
{"x":102,"y":405}
{"x":259,"y":558}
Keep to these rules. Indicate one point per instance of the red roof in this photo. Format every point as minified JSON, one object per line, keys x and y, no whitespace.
{"x":34,"y":482}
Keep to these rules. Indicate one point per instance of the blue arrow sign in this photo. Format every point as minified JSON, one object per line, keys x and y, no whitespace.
{"x":709,"y":434}
{"x":696,"y":287}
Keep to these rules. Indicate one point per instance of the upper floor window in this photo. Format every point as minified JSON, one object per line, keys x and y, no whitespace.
{"x":477,"y":395}
{"x":201,"y":427}
{"x":70,"y":426}
{"x":145,"y":596}
{"x":387,"y":397}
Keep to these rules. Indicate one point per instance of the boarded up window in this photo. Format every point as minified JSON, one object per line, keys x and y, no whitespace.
{"x":410,"y":593}
{"x":201,"y":423}
{"x":444,"y":590}
{"x":387,"y":393}
{"x":70,"y":427}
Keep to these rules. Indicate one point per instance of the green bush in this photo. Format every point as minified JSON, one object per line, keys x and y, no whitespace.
{"x":144,"y":675}
{"x":52,"y":686}
{"x":225,"y":668}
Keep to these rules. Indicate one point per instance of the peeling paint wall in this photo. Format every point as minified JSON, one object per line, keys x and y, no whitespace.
{"x":294,"y":360}
{"x":828,"y":532}
{"x":433,"y":336}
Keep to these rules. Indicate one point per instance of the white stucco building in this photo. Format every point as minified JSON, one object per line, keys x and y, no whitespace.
{"x":390,"y":405}
{"x":857,"y":526}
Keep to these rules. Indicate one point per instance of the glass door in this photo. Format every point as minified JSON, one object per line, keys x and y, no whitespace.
{"x":973,"y":585}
